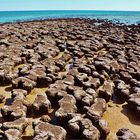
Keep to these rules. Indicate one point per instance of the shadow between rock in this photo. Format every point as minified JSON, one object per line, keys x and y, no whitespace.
{"x":130,"y":114}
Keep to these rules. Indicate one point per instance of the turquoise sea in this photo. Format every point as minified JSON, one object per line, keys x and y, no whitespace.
{"x":128,"y":17}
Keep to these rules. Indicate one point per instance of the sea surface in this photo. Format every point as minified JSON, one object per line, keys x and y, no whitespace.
{"x":127,"y":17}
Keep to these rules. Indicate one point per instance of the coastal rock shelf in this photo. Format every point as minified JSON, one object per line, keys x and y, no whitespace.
{"x":69,"y":79}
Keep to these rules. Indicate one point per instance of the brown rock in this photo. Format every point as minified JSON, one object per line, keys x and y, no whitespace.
{"x":23,"y":83}
{"x":24,"y":69}
{"x":69,"y":80}
{"x":79,"y":93}
{"x":125,"y":76}
{"x":12,"y":134}
{"x":126,"y":134}
{"x":92,"y":83}
{"x":103,"y":127}
{"x":56,"y":90}
{"x":92,"y":92}
{"x":67,"y":106}
{"x":45,"y":118}
{"x":83,"y":127}
{"x":84,"y":69}
{"x":134,"y":103}
{"x":41,"y":104}
{"x":107,"y":90}
{"x":122,"y":90}
{"x":102,"y":65}
{"x":61,"y":64}
{"x":49,"y":131}
{"x":14,"y":111}
{"x":19,"y":94}
{"x":87,"y":100}
{"x":80,"y":78}
{"x":114,"y":66}
{"x":97,"y":109}
{"x":19,"y":124}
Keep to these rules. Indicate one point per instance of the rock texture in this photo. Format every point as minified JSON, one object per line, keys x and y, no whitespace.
{"x":83,"y":126}
{"x":41,"y":104}
{"x":48,"y":131}
{"x":97,"y":109}
{"x":126,"y":134}
{"x":67,"y":107}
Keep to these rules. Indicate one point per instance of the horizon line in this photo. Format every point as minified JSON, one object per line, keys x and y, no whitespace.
{"x":115,"y":10}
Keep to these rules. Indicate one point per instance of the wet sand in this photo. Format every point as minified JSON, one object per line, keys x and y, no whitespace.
{"x":118,"y":116}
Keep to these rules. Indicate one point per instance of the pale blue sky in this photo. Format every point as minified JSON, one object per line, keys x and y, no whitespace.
{"x":131,"y":5}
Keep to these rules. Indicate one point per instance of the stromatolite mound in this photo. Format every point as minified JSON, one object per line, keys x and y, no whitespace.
{"x":96,"y":110}
{"x":122,"y":90}
{"x":106,"y":91}
{"x":23,"y":83}
{"x":19,"y":94}
{"x":41,"y":104}
{"x":57,"y":90}
{"x":16,"y":110}
{"x":39,"y":75}
{"x":83,"y":97}
{"x":103,"y":128}
{"x":67,"y":106}
{"x":134,"y":103}
{"x":44,"y":130}
{"x":126,"y":134}
{"x":19,"y":124}
{"x":83,"y":127}
{"x":12,"y":134}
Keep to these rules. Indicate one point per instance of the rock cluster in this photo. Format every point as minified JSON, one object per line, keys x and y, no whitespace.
{"x":77,"y":66}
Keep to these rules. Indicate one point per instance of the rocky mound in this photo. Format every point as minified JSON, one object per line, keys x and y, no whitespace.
{"x":63,"y":74}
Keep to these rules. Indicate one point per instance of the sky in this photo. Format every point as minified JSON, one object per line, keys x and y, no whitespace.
{"x":14,"y":5}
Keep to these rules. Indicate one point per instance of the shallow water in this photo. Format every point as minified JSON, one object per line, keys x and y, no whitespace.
{"x":128,"y":17}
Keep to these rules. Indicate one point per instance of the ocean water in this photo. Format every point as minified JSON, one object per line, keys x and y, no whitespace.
{"x":127,"y":17}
